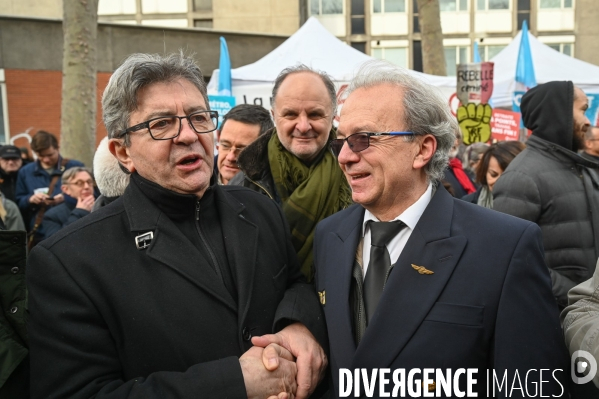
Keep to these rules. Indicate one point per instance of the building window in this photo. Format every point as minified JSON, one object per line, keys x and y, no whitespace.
{"x":555,"y":4}
{"x":395,"y":55}
{"x":203,"y":23}
{"x":455,"y":55}
{"x":492,"y":5}
{"x":564,"y":48}
{"x":202,"y":5}
{"x":488,"y":52}
{"x":326,"y":7}
{"x":385,"y":6}
{"x":453,"y":5}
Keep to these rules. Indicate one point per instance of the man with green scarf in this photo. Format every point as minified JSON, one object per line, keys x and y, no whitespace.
{"x":292,"y":164}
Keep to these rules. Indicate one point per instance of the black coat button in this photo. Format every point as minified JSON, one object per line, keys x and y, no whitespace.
{"x":15,"y":240}
{"x":245,"y":334}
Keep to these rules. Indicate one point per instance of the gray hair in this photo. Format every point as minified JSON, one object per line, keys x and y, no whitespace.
{"x":326,"y":79}
{"x":110,"y":178}
{"x":138,"y":71}
{"x":70,"y":173}
{"x":426,"y":112}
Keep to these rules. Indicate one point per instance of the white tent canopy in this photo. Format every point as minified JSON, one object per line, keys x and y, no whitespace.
{"x":549,"y":65}
{"x":315,"y":47}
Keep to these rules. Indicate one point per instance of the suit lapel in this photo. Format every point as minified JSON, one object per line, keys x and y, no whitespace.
{"x":408,"y":295}
{"x":169,"y":246}
{"x":241,"y":244}
{"x":341,"y":253}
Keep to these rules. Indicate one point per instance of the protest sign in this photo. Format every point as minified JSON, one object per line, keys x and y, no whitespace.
{"x":505,"y":125}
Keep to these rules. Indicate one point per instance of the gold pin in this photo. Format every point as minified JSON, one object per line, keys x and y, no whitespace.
{"x":422,"y":269}
{"x":321,"y":295}
{"x":432,"y":387}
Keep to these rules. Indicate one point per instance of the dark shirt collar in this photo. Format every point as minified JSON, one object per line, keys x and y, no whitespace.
{"x":176,"y":206}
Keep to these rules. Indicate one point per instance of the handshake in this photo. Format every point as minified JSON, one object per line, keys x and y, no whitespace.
{"x":285,"y":365}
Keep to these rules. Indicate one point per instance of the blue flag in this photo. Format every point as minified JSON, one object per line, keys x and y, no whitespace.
{"x":476,"y":53}
{"x":224,"y":70}
{"x":525,"y":71}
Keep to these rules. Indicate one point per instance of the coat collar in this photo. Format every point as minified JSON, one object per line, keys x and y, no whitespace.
{"x":170,"y":248}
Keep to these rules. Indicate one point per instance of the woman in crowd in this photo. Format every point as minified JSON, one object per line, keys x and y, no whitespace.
{"x":493,"y":162}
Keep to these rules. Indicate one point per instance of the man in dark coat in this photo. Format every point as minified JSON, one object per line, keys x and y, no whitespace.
{"x":412,"y":279}
{"x":162,"y":293}
{"x":550,"y":184}
{"x":10,"y":163}
{"x":78,"y":190}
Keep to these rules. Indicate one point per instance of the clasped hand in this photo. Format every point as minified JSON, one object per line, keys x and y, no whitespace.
{"x":293,"y":363}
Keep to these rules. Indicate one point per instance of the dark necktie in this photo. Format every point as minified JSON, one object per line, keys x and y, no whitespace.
{"x":380,"y":262}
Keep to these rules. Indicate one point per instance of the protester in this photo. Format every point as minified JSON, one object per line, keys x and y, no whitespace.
{"x":35,"y":180}
{"x":78,"y":190}
{"x":491,"y":165}
{"x":162,"y":293}
{"x":10,"y":215}
{"x":472,"y":158}
{"x":293,"y":164}
{"x":464,"y":287}
{"x":581,"y":319}
{"x":240,"y":127}
{"x":10,"y":163}
{"x":111,"y":178}
{"x":455,"y":174}
{"x":14,"y":373}
{"x":550,"y":184}
{"x":591,"y":144}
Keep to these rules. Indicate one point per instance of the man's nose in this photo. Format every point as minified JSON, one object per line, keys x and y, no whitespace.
{"x":232,"y":155}
{"x":346,"y":155}
{"x":303,"y":123}
{"x":187,"y":134}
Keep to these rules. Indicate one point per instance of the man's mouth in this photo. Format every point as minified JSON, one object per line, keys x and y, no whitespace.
{"x":189,"y":160}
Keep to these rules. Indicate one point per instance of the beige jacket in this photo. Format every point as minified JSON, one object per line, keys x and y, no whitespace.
{"x":580,"y":319}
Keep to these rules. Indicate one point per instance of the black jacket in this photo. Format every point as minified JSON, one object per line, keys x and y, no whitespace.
{"x":60,"y":216}
{"x":553,"y":186}
{"x":8,"y":184}
{"x":109,"y":320}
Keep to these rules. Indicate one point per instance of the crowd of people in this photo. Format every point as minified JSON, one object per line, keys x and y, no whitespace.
{"x":300,"y":249}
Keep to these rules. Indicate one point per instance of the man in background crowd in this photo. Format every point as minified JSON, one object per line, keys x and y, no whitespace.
{"x":10,"y":163}
{"x":35,"y":179}
{"x":240,"y":127}
{"x":292,"y":164}
{"x":591,"y":144}
{"x":78,"y":191}
{"x":550,"y":184}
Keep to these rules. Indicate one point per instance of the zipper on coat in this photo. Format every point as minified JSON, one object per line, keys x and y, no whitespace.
{"x":206,"y":245}
{"x":263,"y":189}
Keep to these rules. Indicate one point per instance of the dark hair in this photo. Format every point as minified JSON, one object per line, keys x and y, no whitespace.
{"x":43,"y":140}
{"x":504,"y":152}
{"x":251,"y":115}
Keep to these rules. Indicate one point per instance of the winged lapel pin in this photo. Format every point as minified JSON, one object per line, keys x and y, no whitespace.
{"x":422,"y":269}
{"x":321,"y":295}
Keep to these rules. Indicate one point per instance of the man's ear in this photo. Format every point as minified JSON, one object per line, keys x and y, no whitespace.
{"x":65,"y":189}
{"x":121,"y":153}
{"x":426,"y":150}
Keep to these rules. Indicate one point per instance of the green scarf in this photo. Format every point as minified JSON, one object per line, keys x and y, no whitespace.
{"x":308,"y":194}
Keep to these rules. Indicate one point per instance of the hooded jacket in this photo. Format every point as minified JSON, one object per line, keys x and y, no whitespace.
{"x":550,"y":184}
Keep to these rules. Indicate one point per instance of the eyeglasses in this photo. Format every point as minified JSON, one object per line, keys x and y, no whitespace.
{"x":81,"y":183}
{"x":169,"y":127}
{"x":360,"y":141}
{"x":225,"y":147}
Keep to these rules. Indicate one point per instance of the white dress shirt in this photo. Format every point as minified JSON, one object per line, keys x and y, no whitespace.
{"x":409,"y":217}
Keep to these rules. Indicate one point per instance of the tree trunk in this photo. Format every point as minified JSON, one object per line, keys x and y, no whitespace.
{"x":78,"y":112}
{"x":433,"y":56}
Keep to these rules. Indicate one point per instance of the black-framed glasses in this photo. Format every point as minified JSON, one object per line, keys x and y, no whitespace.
{"x":169,"y":127}
{"x":360,"y":141}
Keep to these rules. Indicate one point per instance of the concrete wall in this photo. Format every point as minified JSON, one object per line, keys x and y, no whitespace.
{"x":28,"y":43}
{"x":268,"y":16}
{"x":586,"y":29}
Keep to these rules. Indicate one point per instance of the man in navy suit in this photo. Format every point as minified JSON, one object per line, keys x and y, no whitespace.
{"x":453,"y":299}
